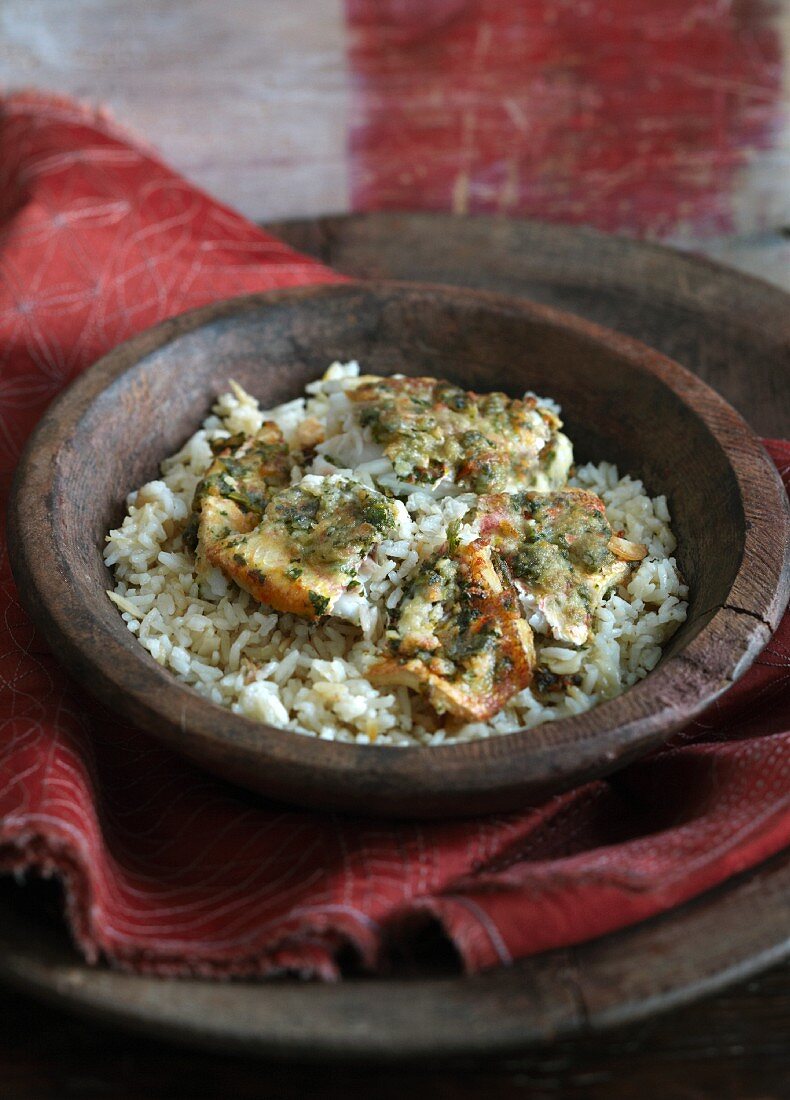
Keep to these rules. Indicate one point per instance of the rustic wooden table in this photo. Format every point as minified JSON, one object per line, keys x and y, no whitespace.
{"x":655,"y":120}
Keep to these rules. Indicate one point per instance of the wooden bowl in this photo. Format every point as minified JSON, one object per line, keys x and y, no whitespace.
{"x":623,"y":402}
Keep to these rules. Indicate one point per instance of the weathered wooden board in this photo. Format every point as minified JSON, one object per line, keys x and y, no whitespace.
{"x":657,"y":120}
{"x":249,"y":100}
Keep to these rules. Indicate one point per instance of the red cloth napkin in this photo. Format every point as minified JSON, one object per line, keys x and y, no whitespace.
{"x":172,"y":871}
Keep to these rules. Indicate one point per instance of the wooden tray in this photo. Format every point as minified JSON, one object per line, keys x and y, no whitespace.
{"x":733,"y":331}
{"x":727,"y":934}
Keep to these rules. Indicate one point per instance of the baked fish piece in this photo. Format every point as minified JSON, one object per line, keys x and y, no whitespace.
{"x":233,"y":493}
{"x":561,"y":552}
{"x":459,"y":636}
{"x":435,"y":433}
{"x":304,"y":554}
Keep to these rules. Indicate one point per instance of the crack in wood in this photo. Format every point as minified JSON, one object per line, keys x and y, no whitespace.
{"x":573,"y":979}
{"x":327,"y":237}
{"x":711,"y":611}
{"x":752,"y":615}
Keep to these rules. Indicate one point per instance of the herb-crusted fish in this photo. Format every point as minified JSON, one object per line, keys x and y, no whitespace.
{"x":239,"y":483}
{"x":431,"y":430}
{"x":459,"y":635}
{"x":305,"y":552}
{"x":561,"y":552}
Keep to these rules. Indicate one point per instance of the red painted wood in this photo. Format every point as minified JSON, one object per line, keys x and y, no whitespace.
{"x":632,"y":115}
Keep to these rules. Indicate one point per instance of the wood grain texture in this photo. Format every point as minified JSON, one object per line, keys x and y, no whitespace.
{"x":763,"y":255}
{"x":250,"y":101}
{"x":657,"y":118}
{"x":663,"y":120}
{"x":79,"y":467}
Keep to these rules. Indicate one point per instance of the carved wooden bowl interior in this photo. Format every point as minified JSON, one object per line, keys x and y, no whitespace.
{"x":621,"y":402}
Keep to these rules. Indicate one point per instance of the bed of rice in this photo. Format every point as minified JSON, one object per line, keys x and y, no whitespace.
{"x":310,"y":677}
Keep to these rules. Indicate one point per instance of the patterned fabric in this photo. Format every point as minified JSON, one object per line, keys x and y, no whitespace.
{"x":169,"y":870}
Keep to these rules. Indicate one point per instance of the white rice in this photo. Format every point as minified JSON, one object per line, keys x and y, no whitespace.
{"x":310,"y":677}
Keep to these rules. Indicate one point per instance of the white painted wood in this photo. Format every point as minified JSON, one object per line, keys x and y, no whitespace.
{"x":248,"y":99}
{"x":766,"y":255}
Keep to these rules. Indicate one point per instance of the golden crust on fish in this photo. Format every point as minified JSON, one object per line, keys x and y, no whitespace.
{"x":306,"y":550}
{"x":560,"y":549}
{"x":459,"y":636}
{"x":237,"y":486}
